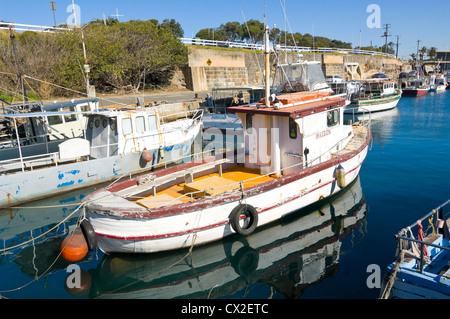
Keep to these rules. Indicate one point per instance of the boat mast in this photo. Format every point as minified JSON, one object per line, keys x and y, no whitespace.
{"x":267,"y":69}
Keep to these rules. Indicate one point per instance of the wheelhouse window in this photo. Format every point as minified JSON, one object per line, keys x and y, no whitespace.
{"x":53,"y":120}
{"x":126,"y":126}
{"x":292,"y":128}
{"x":112,"y":124}
{"x":333,"y":118}
{"x":152,"y":125}
{"x":70,"y":117}
{"x":140,"y":124}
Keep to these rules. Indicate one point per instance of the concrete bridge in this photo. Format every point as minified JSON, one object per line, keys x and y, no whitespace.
{"x":218,"y":67}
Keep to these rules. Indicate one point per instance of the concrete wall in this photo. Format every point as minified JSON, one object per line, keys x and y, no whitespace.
{"x":210,"y":68}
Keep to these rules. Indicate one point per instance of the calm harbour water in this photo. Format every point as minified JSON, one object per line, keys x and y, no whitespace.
{"x":321,"y":252}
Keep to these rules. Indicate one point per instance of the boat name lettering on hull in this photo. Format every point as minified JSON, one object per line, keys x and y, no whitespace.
{"x":323,"y":134}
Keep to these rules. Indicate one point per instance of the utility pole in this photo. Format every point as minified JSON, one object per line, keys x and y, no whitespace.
{"x":417,"y":53}
{"x":386,"y":35}
{"x":396,"y":54}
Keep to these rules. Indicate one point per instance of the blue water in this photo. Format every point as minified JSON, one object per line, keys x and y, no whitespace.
{"x":322,"y":252}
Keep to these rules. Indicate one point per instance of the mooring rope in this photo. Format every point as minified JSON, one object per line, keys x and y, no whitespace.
{"x":392,"y":277}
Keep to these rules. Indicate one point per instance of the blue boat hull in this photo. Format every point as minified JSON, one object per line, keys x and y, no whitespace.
{"x":40,"y":183}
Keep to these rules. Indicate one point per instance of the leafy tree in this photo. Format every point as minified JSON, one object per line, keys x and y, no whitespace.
{"x":432,"y":52}
{"x":176,"y":28}
{"x":233,"y":30}
{"x":256,"y":30}
{"x":121,"y":56}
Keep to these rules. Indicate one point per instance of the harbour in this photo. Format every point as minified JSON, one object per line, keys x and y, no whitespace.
{"x":264,"y":171}
{"x":389,"y":191}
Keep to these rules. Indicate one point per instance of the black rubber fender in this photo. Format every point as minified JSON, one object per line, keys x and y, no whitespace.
{"x":89,"y":234}
{"x":245,"y":261}
{"x":235,"y":216}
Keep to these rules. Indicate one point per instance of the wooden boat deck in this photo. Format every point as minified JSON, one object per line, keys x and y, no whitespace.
{"x":207,"y":185}
{"x":355,"y":143}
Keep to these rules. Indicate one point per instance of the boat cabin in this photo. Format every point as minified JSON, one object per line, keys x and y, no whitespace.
{"x":300,"y":135}
{"x":119,"y":132}
{"x":131,"y":130}
{"x":417,"y":83}
{"x":68,"y":125}
{"x":379,"y":87}
{"x":299,"y":77}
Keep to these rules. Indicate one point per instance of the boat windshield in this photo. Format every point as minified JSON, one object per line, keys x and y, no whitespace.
{"x":298,"y":77}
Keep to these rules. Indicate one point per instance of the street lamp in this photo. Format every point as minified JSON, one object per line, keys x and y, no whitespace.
{"x":53,"y":8}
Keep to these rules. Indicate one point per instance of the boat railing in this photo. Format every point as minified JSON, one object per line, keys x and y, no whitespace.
{"x":411,"y":247}
{"x":28,"y":162}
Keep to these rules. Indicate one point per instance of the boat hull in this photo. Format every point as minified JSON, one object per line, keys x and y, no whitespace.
{"x":209,"y":219}
{"x":372,"y":105}
{"x":36,"y":184}
{"x":411,"y":92}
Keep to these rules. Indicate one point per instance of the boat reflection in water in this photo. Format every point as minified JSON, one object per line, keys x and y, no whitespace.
{"x":288,"y":256}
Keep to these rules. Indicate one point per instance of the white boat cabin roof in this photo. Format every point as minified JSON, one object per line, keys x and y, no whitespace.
{"x":301,"y":108}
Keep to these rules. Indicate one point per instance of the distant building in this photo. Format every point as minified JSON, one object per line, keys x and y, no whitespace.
{"x":444,"y":56}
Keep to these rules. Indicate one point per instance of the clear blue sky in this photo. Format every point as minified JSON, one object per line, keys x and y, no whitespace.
{"x":343,"y":20}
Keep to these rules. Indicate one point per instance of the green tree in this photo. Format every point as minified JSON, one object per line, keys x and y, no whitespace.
{"x":432,"y":52}
{"x":256,"y":30}
{"x":174,"y":26}
{"x":233,"y":30}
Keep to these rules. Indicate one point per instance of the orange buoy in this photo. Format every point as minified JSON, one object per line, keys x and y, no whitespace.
{"x":146,"y":156}
{"x":74,"y":247}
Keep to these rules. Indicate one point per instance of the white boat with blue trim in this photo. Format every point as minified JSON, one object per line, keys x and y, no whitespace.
{"x":115,"y":142}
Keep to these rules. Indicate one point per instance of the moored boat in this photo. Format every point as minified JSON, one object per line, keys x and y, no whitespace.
{"x":438,"y":83}
{"x":375,"y":95}
{"x":298,"y":251}
{"x":297,"y":151}
{"x":421,"y":269}
{"x":115,"y":142}
{"x":416,"y":87}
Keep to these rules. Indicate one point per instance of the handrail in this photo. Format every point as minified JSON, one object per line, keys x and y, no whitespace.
{"x":29,"y":27}
{"x":252,"y":46}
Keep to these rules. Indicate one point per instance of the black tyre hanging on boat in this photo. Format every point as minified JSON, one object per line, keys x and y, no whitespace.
{"x":250,"y":213}
{"x":89,"y":234}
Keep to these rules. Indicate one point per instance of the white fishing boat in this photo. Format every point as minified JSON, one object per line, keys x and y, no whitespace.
{"x":299,"y":251}
{"x":297,"y":151}
{"x":115,"y":142}
{"x":438,"y":83}
{"x":375,"y":95}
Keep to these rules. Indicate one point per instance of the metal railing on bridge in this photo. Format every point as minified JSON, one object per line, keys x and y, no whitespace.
{"x":29,"y":27}
{"x":279,"y":47}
